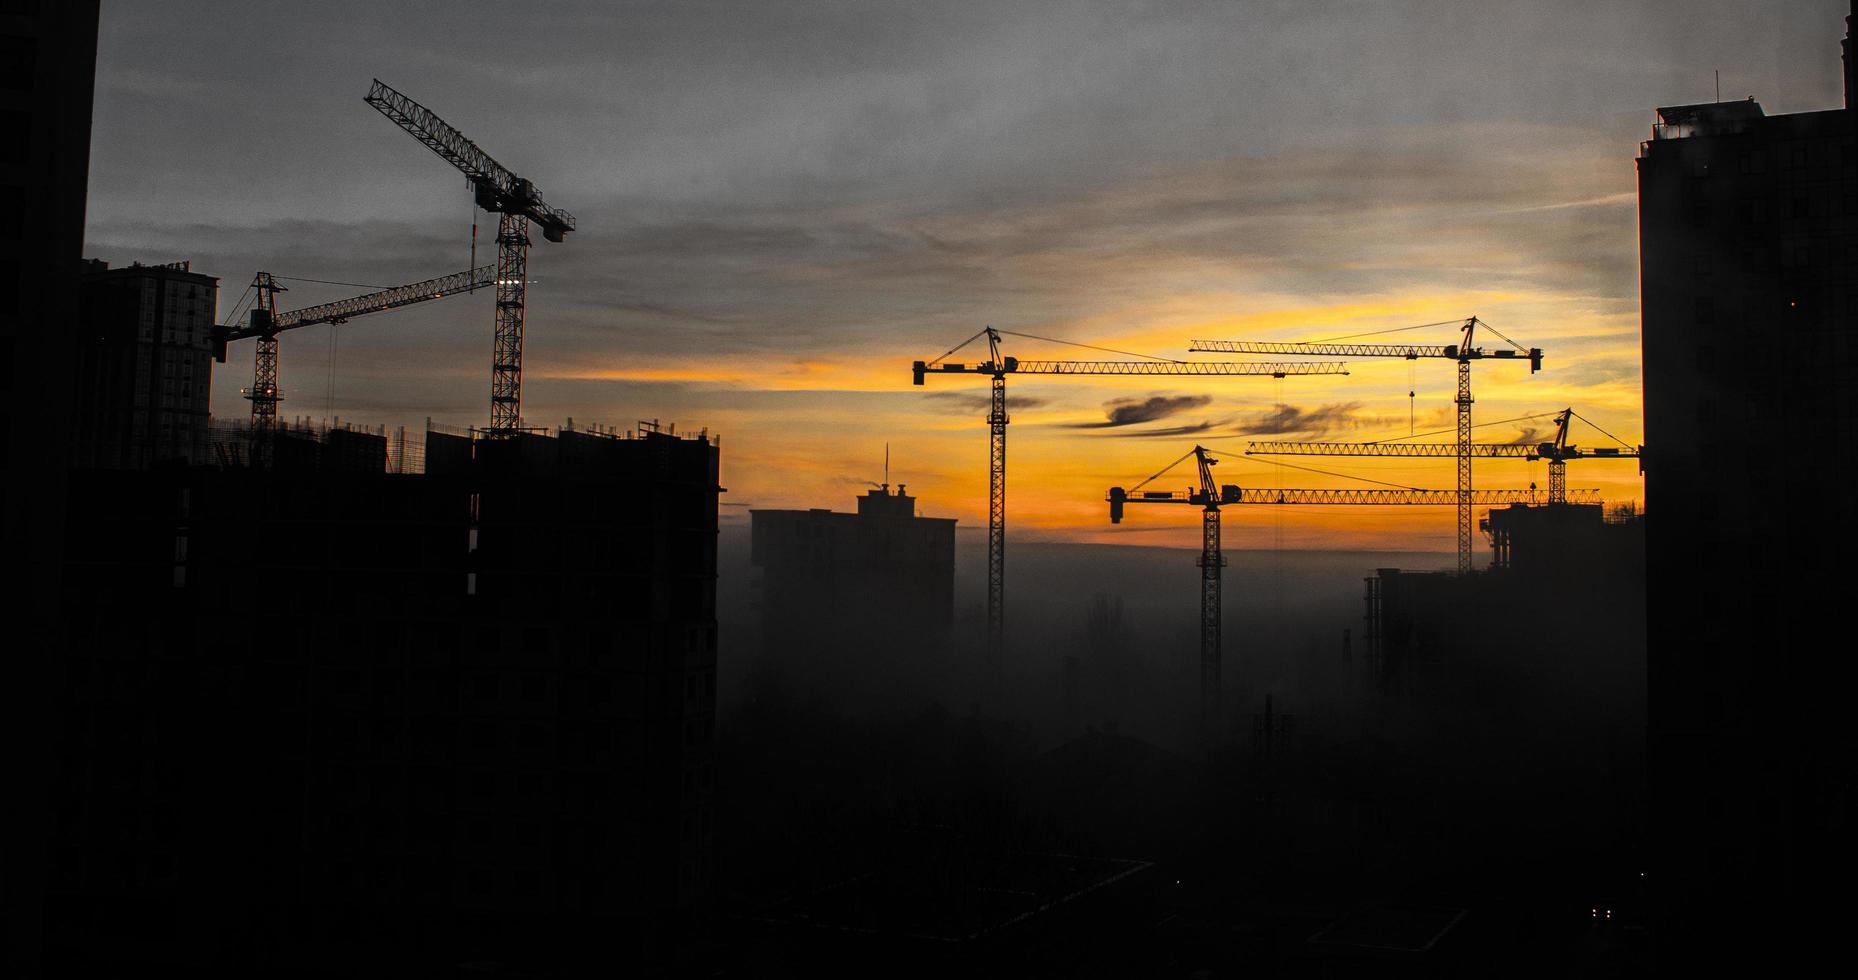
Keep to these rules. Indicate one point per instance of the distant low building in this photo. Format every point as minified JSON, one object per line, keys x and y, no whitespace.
{"x":838,"y":590}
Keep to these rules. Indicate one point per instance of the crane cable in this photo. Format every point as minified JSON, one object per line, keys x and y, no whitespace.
{"x":1312,"y":469}
{"x":1480,"y":425}
{"x":1106,"y":350}
{"x":1376,"y":333}
{"x":1499,"y":333}
{"x":333,"y":282}
{"x":1420,"y":326}
{"x":955,"y":348}
{"x":238,"y":308}
{"x":1052,"y":340}
{"x":1603,"y":432}
{"x":1163,"y":471}
{"x":1293,"y":466}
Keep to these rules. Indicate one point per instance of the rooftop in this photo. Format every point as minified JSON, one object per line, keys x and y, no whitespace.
{"x":1706,"y":119}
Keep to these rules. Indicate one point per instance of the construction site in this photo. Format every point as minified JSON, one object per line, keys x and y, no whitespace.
{"x":358,"y":672}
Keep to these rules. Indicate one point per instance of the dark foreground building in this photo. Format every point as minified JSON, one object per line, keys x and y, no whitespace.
{"x":323,"y":720}
{"x":1523,"y":687}
{"x":1749,"y":274}
{"x":48,"y":56}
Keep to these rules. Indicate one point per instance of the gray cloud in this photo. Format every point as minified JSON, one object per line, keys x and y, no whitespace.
{"x":1531,"y":435}
{"x":1136,"y":411}
{"x":877,"y":180}
{"x":956,"y":401}
{"x":1178,"y":430}
{"x":1290,"y":419}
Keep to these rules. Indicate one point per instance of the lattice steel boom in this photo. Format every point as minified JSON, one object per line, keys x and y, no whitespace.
{"x":997,"y":367}
{"x":1557,"y":452}
{"x":1230,"y":494}
{"x":266,"y":323}
{"x":1461,"y":352}
{"x":343,"y":310}
{"x":518,"y":202}
{"x":1411,"y":449}
{"x":497,"y":189}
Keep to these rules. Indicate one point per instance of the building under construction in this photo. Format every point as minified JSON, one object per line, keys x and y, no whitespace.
{"x":318,"y":714}
{"x":144,"y":365}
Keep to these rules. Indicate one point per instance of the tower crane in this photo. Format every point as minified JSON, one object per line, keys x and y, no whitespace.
{"x":266,"y":323}
{"x":1462,"y":352}
{"x":1209,"y":499}
{"x":998,"y":367}
{"x":517,"y":202}
{"x":1557,"y":452}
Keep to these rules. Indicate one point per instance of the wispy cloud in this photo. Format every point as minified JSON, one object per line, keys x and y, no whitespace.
{"x":1531,"y":435}
{"x":1137,"y":411}
{"x":1179,"y":430}
{"x":1288,"y":419}
{"x":968,"y":401}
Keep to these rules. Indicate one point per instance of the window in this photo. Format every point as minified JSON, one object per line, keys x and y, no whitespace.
{"x":17,"y":147}
{"x":18,"y":61}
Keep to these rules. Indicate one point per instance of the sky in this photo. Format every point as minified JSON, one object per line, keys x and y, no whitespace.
{"x":781,"y":205}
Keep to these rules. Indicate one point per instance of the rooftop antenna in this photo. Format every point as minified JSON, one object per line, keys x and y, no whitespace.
{"x":1719,"y":84}
{"x":887,"y":467}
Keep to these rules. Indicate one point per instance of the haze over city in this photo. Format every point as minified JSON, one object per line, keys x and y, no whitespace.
{"x":1175,"y":488}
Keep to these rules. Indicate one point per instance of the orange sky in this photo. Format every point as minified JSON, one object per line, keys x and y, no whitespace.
{"x":819,"y":447}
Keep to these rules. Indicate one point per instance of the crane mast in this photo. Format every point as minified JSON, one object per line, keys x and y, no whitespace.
{"x":996,"y":502}
{"x":996,"y":368}
{"x":517,"y":202}
{"x":1463,"y":352}
{"x":1212,"y":561}
{"x":263,"y":393}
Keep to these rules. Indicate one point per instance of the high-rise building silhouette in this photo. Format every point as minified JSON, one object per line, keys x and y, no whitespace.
{"x":1749,"y":277}
{"x":144,"y":365}
{"x":48,"y":56}
{"x":322,"y":719}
